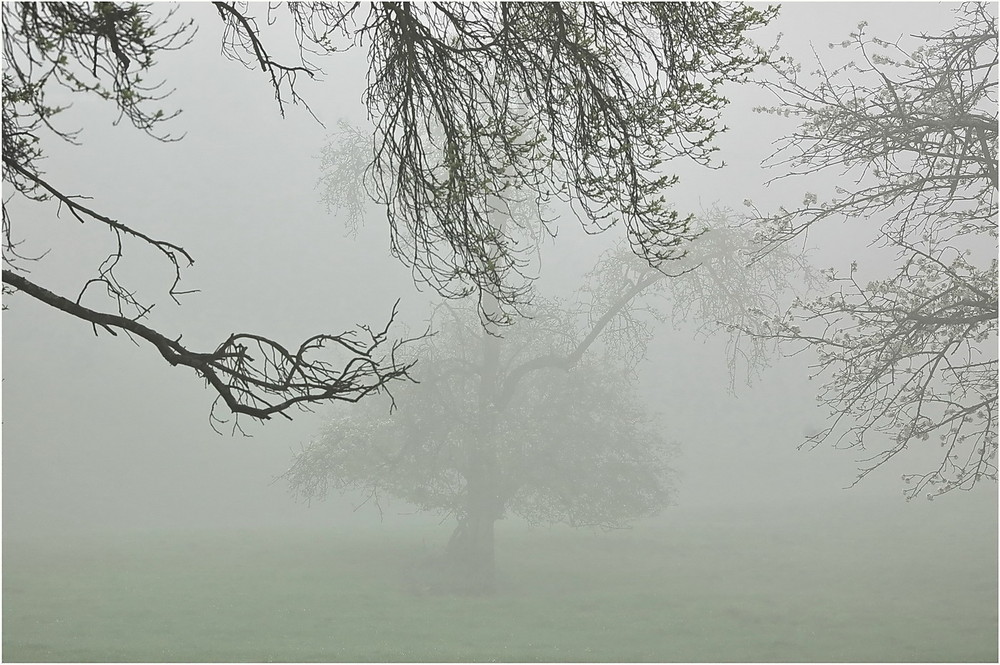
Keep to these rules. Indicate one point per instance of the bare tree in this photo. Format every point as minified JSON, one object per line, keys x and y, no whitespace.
{"x":107,"y":50}
{"x":910,"y":354}
{"x":480,"y":107}
{"x":533,"y":423}
{"x":545,"y":421}
{"x":497,"y":427}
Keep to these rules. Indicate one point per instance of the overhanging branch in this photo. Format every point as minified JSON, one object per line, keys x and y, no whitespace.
{"x":275,"y":378}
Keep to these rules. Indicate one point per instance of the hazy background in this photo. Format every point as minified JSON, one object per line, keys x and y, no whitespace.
{"x":101,"y":434}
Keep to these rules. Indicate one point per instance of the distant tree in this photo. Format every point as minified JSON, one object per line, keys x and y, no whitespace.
{"x":107,"y":50}
{"x":910,"y":354}
{"x":478,"y":438}
{"x":544,"y":422}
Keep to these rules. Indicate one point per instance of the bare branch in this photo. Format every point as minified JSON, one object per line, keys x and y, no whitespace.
{"x":256,"y":376}
{"x":482,"y":109}
{"x":909,"y":353}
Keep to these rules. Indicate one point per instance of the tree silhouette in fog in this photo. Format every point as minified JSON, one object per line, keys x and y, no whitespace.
{"x":909,"y":350}
{"x":545,"y":422}
{"x":527,"y":424}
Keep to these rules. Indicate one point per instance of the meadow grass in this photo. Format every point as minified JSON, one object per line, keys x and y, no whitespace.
{"x":707,"y":590}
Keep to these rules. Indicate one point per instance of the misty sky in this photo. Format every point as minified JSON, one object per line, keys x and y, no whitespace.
{"x":100,"y":432}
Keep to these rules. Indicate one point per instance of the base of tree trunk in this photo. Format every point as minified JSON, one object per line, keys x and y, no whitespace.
{"x":467,"y":567}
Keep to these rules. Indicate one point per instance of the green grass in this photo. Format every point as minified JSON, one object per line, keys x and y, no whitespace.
{"x":713,"y":590}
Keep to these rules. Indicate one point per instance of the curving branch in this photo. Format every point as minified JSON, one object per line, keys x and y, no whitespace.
{"x":256,"y":376}
{"x":568,"y":360}
{"x":717,"y":285}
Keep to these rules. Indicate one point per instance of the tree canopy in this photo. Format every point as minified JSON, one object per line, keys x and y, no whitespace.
{"x":570,"y":445}
{"x":477,"y":109}
{"x":909,"y":354}
{"x":525,"y":425}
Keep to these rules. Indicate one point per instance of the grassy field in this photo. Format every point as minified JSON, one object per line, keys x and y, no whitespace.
{"x":825,"y":588}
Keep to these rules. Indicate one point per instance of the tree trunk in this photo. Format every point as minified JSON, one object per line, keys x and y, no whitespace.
{"x":471,"y":555}
{"x":471,"y":548}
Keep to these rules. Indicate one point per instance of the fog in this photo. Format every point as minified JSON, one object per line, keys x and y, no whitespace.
{"x":101,"y":436}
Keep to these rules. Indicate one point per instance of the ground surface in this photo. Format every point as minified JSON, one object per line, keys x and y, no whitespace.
{"x":812,"y":587}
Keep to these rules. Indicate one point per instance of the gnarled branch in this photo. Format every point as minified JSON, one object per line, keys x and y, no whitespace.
{"x":256,"y":376}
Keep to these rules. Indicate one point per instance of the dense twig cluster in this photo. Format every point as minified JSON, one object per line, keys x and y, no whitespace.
{"x":480,"y":108}
{"x":911,"y":354}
